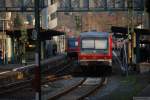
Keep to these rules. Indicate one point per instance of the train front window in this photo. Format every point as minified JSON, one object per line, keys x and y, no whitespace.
{"x":100,"y":44}
{"x":94,"y":45}
{"x":72,"y":43}
{"x":88,"y":44}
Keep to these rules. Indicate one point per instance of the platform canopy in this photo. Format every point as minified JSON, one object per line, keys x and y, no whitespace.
{"x":145,"y":41}
{"x":44,"y":34}
{"x":124,"y":30}
{"x":47,"y":34}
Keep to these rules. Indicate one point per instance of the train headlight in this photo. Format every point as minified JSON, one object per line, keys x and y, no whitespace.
{"x":110,"y":63}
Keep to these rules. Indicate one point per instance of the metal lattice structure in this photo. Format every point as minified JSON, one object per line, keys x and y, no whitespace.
{"x":71,"y":5}
{"x":20,"y":5}
{"x":98,"y":5}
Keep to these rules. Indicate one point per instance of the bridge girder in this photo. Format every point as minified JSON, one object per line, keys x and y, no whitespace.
{"x":71,"y":5}
{"x":98,"y":5}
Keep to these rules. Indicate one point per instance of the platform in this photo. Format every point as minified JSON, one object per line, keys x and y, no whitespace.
{"x":145,"y":92}
{"x":143,"y":67}
{"x":8,"y":67}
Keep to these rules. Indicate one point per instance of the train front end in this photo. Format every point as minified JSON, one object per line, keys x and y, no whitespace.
{"x":95,"y":48}
{"x":72,"y":47}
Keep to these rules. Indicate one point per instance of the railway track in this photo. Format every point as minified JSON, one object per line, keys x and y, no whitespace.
{"x":82,"y":87}
{"x":80,"y":90}
{"x":15,"y":86}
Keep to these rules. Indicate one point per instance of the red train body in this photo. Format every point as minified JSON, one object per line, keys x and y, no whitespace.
{"x":72,"y":47}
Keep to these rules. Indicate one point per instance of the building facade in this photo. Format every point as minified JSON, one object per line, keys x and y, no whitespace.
{"x":49,"y":15}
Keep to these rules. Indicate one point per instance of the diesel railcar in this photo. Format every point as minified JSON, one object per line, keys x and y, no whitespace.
{"x":95,"y":48}
{"x":72,"y":47}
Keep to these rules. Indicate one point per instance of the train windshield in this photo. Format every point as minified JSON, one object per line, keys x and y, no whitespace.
{"x":94,"y":44}
{"x":73,"y":43}
{"x":100,"y":44}
{"x":88,"y":45}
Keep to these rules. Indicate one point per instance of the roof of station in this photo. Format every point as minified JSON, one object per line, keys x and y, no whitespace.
{"x":44,"y":34}
{"x":124,"y":30}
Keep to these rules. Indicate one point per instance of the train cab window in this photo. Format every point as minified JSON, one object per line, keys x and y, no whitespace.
{"x":94,"y":44}
{"x":72,"y":43}
{"x":88,"y":44}
{"x":100,"y":44}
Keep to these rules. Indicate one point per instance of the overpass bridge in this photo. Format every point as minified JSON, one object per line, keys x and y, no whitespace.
{"x":73,"y":5}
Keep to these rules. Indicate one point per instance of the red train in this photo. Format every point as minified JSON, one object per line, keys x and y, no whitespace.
{"x":95,"y":48}
{"x":72,"y":47}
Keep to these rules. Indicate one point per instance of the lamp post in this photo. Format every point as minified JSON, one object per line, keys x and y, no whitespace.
{"x":38,"y":51}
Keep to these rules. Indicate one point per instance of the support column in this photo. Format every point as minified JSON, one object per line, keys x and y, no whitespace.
{"x":12,"y":55}
{"x":42,"y":50}
{"x":149,"y":20}
{"x":137,"y":47}
{"x":37,"y":81}
{"x":131,"y":28}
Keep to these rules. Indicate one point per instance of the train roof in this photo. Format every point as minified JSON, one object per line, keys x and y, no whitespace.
{"x":94,"y":34}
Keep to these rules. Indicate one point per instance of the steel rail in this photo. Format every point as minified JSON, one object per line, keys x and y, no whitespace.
{"x":78,"y":87}
{"x":25,"y":83}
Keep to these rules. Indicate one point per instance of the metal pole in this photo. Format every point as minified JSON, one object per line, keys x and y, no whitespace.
{"x":3,"y":49}
{"x":133,"y":34}
{"x":148,"y":20}
{"x":131,"y":27}
{"x":38,"y":52}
